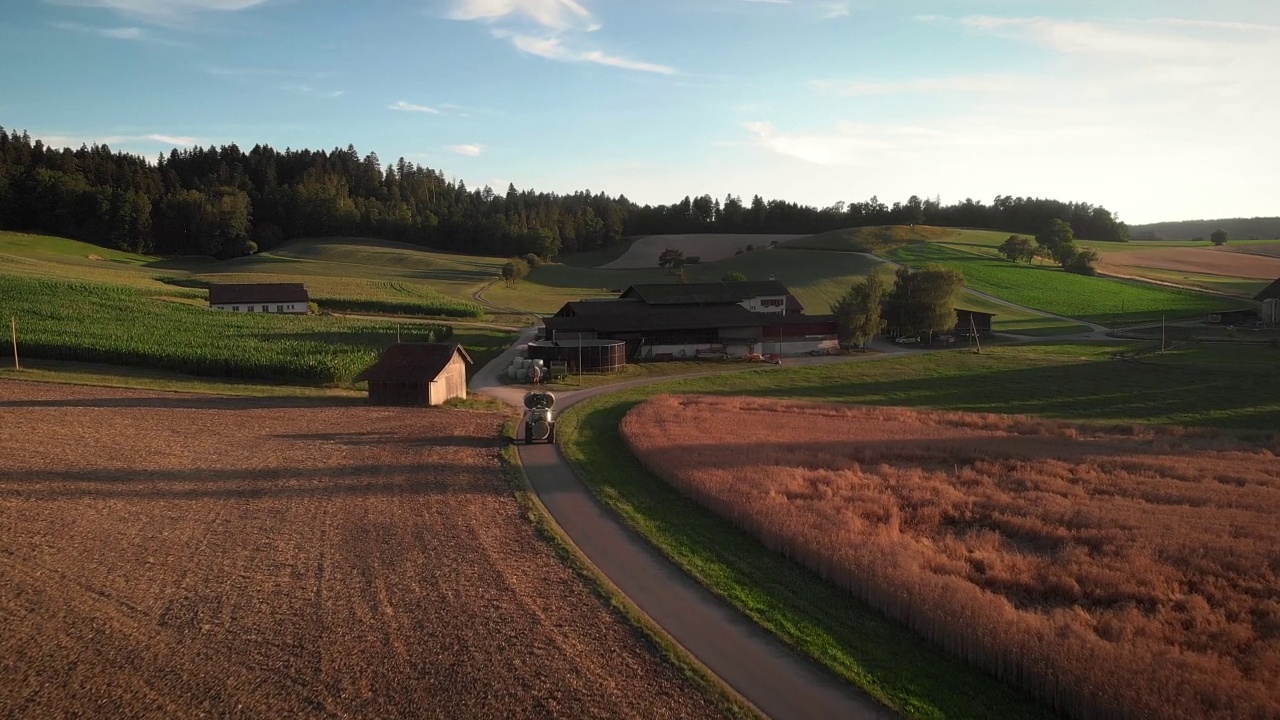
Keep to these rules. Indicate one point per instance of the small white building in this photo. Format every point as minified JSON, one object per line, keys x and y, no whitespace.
{"x":289,"y":298}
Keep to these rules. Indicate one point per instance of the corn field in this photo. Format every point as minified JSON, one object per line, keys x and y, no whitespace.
{"x":117,"y":325}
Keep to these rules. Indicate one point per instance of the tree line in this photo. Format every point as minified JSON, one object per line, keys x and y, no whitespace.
{"x":225,"y":202}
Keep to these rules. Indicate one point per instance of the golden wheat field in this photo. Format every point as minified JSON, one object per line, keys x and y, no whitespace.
{"x":176,"y":556}
{"x":1116,"y":572}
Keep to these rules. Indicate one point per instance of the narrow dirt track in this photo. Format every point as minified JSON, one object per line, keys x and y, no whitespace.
{"x":778,"y":681}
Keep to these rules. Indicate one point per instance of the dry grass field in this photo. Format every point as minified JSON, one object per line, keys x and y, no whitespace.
{"x":710,"y":247}
{"x":1232,"y":262}
{"x":1116,"y":572}
{"x":170,"y":555}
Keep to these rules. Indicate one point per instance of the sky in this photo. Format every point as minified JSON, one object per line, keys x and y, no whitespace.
{"x":1156,"y":109}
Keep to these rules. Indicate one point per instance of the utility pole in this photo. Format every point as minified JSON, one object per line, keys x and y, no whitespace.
{"x":13,"y":330}
{"x":1162,"y":334}
{"x":973,"y":332}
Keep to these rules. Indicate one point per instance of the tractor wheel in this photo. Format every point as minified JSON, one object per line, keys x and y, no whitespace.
{"x":551,"y":439}
{"x":528,"y":434}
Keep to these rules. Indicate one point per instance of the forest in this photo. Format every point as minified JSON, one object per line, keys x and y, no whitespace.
{"x":225,"y":202}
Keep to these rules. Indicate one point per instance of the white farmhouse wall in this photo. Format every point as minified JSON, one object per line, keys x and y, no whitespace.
{"x":766,"y":304}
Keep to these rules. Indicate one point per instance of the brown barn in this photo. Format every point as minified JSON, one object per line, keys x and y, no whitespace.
{"x":418,"y":374}
{"x":967,"y":321}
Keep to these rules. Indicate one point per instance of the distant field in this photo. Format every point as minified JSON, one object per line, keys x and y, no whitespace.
{"x":1101,"y":300}
{"x":710,"y":247}
{"x":817,"y":278}
{"x":1207,"y":261}
{"x":1050,"y":554}
{"x":871,"y":239}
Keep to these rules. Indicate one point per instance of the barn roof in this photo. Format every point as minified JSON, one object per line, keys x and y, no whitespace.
{"x":238,"y":293}
{"x":625,"y":316}
{"x":966,"y":311}
{"x":705,"y":293}
{"x":413,"y":362}
{"x":1269,"y":292}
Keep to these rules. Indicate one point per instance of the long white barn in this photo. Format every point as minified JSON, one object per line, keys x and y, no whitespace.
{"x":289,"y":298}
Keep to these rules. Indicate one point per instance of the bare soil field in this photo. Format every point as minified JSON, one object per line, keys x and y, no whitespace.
{"x":170,"y":555}
{"x":1116,"y":572}
{"x":710,"y":247}
{"x":1261,"y":249}
{"x":1227,"y":261}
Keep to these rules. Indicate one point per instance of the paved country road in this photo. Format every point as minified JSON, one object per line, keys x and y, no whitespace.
{"x":759,"y":667}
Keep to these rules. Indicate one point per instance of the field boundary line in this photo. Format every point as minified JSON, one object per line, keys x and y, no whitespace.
{"x":672,"y":652}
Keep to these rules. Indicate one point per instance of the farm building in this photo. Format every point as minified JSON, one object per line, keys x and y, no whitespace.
{"x":260,"y":297}
{"x":971,"y":322}
{"x":703,"y":319}
{"x":1234,"y":318}
{"x":418,"y":374}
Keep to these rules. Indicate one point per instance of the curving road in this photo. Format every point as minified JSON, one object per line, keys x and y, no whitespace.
{"x":778,"y":681}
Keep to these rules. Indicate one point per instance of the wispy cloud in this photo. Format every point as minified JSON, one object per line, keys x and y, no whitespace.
{"x":163,"y":12}
{"x":823,"y":9}
{"x":555,"y":20}
{"x":467,"y":149}
{"x":554,"y":48}
{"x":551,"y":14}
{"x":74,"y":141}
{"x":413,"y":107}
{"x":239,"y":71}
{"x":313,"y":92}
{"x":115,"y":33}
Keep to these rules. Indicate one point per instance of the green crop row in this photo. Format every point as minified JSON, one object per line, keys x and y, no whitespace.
{"x":1105,"y":301}
{"x":60,"y":320}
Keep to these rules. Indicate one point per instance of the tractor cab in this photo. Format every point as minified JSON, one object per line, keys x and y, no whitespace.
{"x":539,"y":420}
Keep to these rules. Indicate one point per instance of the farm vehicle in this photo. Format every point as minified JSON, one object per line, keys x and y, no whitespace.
{"x":539,"y":419}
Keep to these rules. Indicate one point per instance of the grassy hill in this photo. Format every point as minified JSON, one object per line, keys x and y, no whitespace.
{"x":1238,"y":228}
{"x":872,"y":239}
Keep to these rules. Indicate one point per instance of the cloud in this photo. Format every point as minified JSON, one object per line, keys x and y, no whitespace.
{"x":553,"y":48}
{"x":164,"y":12}
{"x":269,"y":72}
{"x":313,"y":92}
{"x":412,"y":107}
{"x":468,"y":149}
{"x":115,"y":33}
{"x":75,"y":141}
{"x":551,"y":14}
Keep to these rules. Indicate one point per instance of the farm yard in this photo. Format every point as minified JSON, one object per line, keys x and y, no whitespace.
{"x":1040,"y":551}
{"x":274,"y":558}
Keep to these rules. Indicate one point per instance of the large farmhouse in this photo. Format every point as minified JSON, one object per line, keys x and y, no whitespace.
{"x":687,"y":320}
{"x":418,"y":374}
{"x":260,"y":297}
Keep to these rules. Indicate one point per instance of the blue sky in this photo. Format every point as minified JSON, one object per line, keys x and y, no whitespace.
{"x":1157,"y":109}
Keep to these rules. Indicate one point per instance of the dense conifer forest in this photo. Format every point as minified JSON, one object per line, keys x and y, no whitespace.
{"x":225,"y":202}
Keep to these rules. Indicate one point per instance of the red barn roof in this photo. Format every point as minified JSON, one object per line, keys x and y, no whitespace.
{"x":413,"y":362}
{"x":251,"y":293}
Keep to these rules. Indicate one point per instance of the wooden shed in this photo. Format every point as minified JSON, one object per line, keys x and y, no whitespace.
{"x":418,"y":374}
{"x":969,"y":322}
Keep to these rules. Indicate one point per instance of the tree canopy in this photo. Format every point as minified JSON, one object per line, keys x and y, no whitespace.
{"x":1219,"y":237}
{"x":923,"y":301}
{"x":859,"y":312}
{"x":216,"y":200}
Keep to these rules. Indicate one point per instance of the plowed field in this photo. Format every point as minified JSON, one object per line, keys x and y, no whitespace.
{"x":1113,"y":571}
{"x":165,"y":555}
{"x":1227,"y":262}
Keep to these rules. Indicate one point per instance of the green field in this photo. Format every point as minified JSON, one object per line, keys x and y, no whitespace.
{"x":1104,"y":301}
{"x":1234,"y":388}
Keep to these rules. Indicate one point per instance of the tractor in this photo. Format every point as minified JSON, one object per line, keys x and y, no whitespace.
{"x":539,"y":421}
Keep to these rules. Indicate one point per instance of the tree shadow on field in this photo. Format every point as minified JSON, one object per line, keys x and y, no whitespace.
{"x":351,"y":481}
